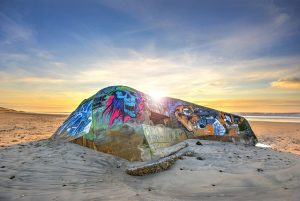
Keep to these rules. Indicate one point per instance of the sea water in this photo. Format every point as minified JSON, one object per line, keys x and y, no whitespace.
{"x":275,"y":117}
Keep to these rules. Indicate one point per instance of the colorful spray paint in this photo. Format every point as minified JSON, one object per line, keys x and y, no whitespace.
{"x":128,"y":123}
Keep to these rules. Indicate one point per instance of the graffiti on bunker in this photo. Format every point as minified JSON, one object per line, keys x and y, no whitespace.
{"x":122,"y":105}
{"x":193,"y":119}
{"x":206,"y":121}
{"x":79,"y":121}
{"x":126,"y":122}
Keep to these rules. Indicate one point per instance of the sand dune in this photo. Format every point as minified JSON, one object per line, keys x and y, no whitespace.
{"x":34,"y":168}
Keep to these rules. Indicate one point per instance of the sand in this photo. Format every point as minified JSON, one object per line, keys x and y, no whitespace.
{"x":17,"y":127}
{"x":280,"y":135}
{"x":34,"y":168}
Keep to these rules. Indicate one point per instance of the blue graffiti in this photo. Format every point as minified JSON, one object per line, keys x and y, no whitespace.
{"x":79,"y":121}
{"x":218,"y":128}
{"x":129,"y":100}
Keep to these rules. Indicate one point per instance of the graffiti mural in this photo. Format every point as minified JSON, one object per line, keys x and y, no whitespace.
{"x":79,"y":122}
{"x":128,"y":123}
{"x":195,"y":119}
{"x":122,"y":105}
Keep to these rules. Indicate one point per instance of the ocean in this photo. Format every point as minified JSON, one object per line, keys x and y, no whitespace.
{"x":272,"y":117}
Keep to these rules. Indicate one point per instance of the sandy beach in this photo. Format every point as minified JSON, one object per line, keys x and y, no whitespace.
{"x":281,"y":136}
{"x":35,"y":168}
{"x":18,"y":127}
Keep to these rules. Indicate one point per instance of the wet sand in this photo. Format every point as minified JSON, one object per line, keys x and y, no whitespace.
{"x":34,"y":168}
{"x":280,"y":135}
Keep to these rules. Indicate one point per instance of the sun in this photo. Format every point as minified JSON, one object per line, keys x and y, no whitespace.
{"x":156,"y":95}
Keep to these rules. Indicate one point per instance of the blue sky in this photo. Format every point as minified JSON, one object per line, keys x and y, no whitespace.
{"x":216,"y":53}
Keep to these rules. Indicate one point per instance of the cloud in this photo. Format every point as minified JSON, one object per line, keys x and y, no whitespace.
{"x":248,"y":38}
{"x":189,"y":75}
{"x":280,"y":19}
{"x":230,"y":37}
{"x":39,"y":80}
{"x":287,"y":83}
{"x":14,"y":31}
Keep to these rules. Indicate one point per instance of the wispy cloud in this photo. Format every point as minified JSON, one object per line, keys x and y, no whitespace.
{"x":287,"y":83}
{"x":179,"y":75}
{"x":13,"y":31}
{"x":238,"y":37}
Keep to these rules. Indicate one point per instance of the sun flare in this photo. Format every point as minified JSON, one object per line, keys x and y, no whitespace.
{"x":156,"y":94}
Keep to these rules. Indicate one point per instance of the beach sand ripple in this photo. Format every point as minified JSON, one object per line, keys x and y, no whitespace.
{"x":50,"y":170}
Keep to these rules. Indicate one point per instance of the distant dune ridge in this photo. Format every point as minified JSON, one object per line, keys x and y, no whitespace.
{"x":2,"y":109}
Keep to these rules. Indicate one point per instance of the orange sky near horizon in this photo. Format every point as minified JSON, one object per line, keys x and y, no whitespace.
{"x":68,"y":101}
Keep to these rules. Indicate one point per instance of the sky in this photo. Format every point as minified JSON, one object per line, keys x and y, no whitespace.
{"x":235,"y":56}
